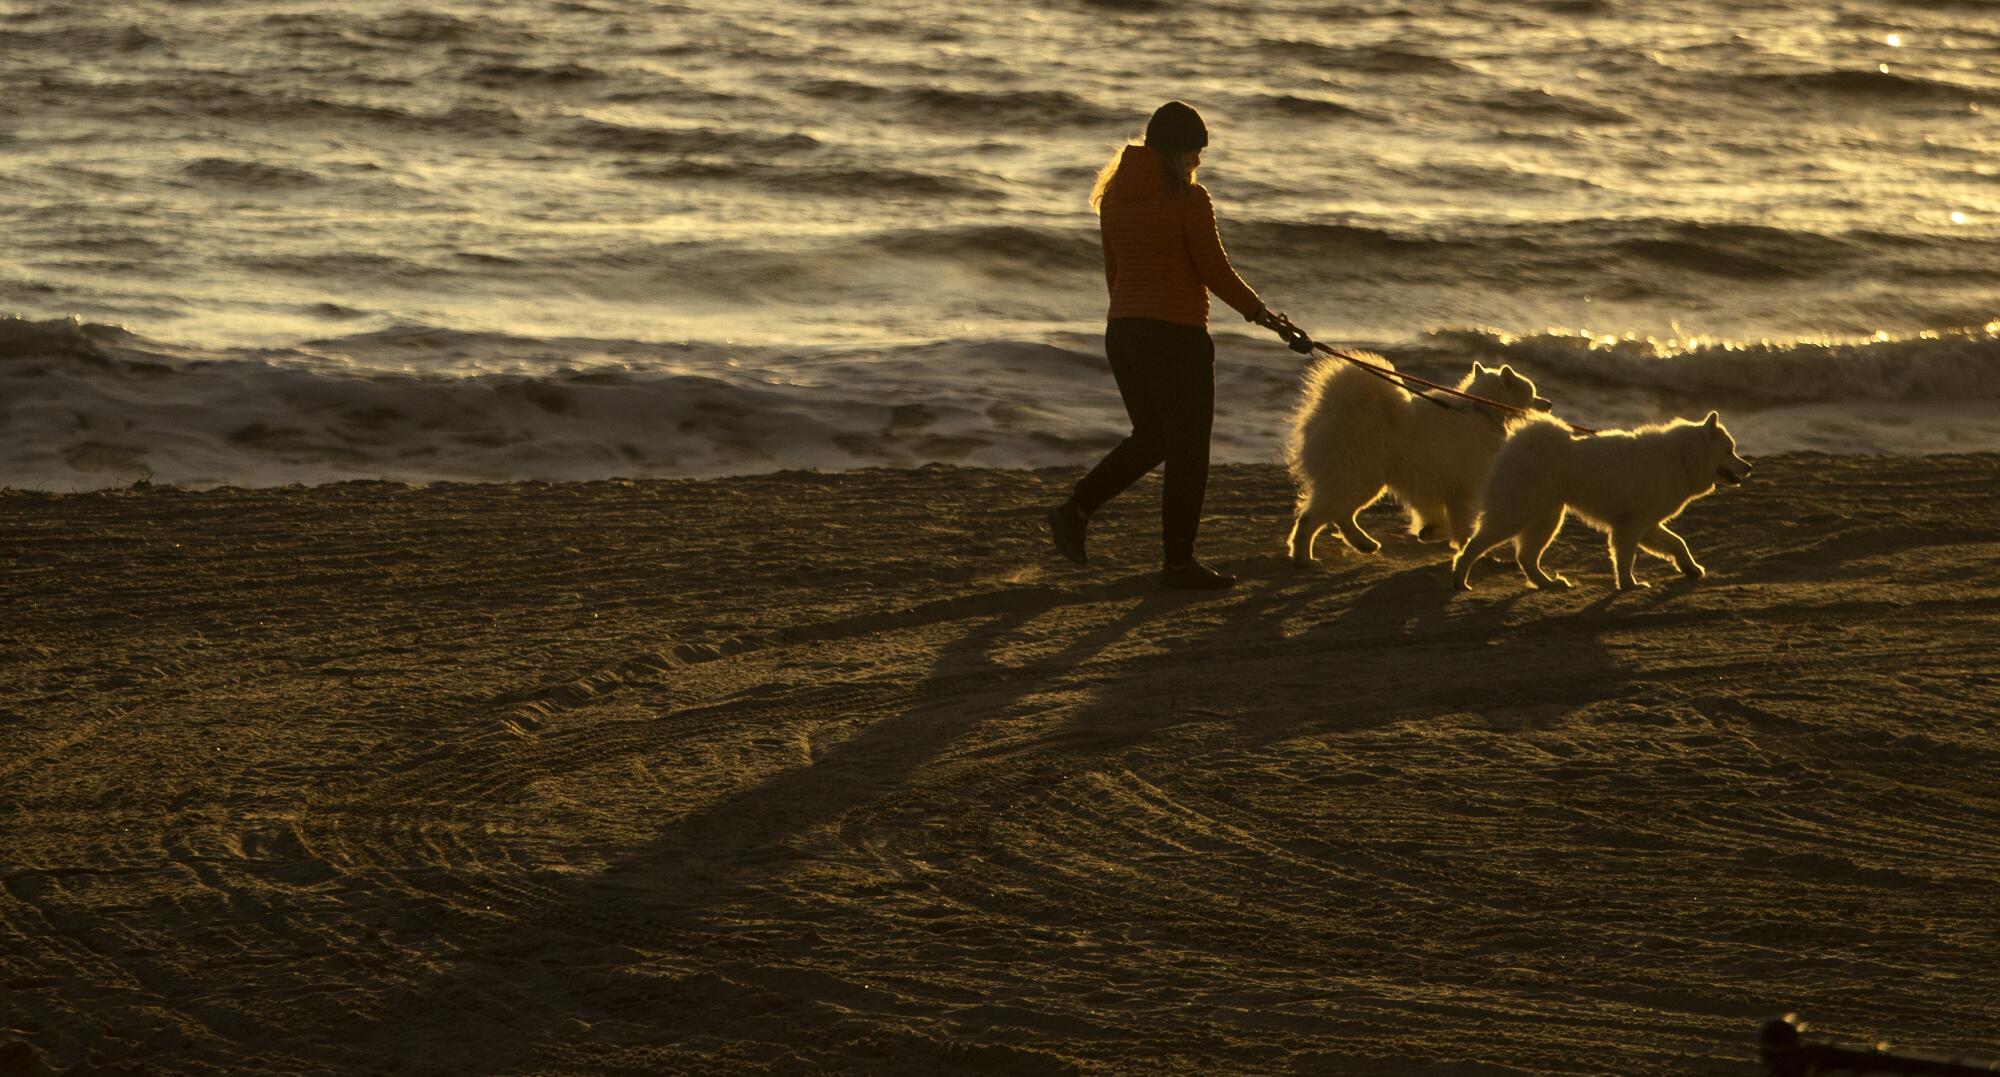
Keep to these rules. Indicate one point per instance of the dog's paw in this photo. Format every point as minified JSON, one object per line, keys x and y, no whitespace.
{"x":1553,"y":583}
{"x":1364,"y":545}
{"x":1304,"y":560}
{"x":1693,"y":571}
{"x":1635,"y":585}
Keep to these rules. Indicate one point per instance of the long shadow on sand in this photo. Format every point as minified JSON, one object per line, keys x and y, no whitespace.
{"x":1286,"y":653}
{"x":672,"y":894}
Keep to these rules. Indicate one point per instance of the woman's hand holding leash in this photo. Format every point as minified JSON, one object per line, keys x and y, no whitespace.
{"x":1294,"y":337}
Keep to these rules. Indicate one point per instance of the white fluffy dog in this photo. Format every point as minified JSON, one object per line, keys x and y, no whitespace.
{"x":1356,"y":434}
{"x":1627,"y":483}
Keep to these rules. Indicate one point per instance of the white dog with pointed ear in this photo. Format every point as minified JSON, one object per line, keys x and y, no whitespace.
{"x":1626,"y":483}
{"x":1356,"y":435}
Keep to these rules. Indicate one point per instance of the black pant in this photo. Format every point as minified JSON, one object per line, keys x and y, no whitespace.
{"x":1166,"y":373}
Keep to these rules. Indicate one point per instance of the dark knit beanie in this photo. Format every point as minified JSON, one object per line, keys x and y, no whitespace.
{"x":1176,"y":128}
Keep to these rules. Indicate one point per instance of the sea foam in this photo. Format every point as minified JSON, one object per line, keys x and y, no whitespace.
{"x":92,"y":405}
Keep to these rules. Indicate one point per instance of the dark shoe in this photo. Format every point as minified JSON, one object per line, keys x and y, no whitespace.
{"x":1066,"y":524}
{"x":1192,"y":575}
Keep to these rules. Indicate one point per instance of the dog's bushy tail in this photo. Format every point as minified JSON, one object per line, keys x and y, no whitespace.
{"x":1319,"y":379}
{"x":1312,"y":389}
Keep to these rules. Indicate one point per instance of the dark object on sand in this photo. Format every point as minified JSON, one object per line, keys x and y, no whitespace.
{"x":1788,"y":1054}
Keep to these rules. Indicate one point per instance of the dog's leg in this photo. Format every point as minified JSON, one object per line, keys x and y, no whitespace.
{"x":1674,"y":548}
{"x":1334,"y":503}
{"x":1476,"y":545}
{"x":1304,"y":530}
{"x":1461,"y":519}
{"x":1350,"y":529}
{"x":1624,"y":551}
{"x":1528,"y":550}
{"x":1424,"y":522}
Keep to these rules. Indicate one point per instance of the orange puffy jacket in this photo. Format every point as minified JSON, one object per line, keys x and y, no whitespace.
{"x":1163,"y":255}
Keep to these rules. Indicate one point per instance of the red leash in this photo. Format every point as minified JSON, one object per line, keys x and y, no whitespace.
{"x":1300,"y":342}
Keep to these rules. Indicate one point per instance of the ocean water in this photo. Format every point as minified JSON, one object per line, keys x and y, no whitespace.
{"x":305,"y":241}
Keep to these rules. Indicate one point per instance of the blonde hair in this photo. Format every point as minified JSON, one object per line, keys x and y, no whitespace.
{"x":1175,"y":171}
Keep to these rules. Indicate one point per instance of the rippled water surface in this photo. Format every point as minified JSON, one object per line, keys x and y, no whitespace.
{"x":884,"y":203}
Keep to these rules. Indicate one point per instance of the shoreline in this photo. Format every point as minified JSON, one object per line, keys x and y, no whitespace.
{"x":1062,"y":473}
{"x":846,"y":771}
{"x":97,"y":407}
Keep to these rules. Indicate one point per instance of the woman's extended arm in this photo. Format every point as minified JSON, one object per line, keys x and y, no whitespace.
{"x":1211,"y":262}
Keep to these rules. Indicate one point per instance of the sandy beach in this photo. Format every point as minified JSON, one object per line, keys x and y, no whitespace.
{"x":846,"y":773}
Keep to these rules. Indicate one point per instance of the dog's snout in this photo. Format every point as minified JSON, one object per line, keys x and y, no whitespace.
{"x":1733,"y":471}
{"x":1542,"y":404}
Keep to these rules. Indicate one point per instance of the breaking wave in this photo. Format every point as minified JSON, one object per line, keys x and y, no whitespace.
{"x":93,"y":405}
{"x":1962,"y":366}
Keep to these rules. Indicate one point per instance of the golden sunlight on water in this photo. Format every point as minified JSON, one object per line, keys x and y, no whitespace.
{"x":808,"y":217}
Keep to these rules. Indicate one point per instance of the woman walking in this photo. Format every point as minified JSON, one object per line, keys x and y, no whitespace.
{"x":1162,"y":256}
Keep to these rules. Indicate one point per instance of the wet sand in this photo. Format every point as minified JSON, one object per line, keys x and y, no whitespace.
{"x":810,"y":773}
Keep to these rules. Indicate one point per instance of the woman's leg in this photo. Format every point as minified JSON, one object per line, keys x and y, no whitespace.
{"x":1187,"y":405}
{"x":1135,"y":358}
